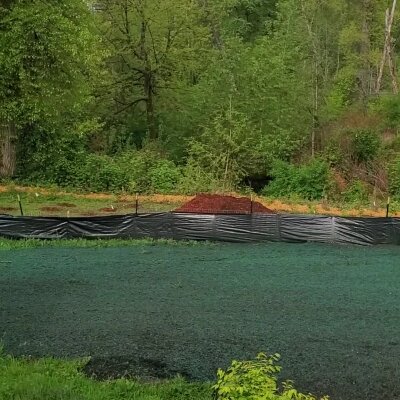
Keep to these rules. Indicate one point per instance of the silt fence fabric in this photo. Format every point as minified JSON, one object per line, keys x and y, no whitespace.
{"x":229,"y":228}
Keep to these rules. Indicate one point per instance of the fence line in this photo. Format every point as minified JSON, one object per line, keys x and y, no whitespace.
{"x":230,"y":228}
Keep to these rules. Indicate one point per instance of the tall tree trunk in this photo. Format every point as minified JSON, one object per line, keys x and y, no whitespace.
{"x":387,"y":45}
{"x":316,"y":57}
{"x":7,"y":149}
{"x":150,"y":114}
{"x":148,"y":81}
{"x":213,"y":25}
{"x":391,"y":62}
{"x":365,"y":72}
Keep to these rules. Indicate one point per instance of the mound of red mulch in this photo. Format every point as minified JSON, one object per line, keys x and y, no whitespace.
{"x":219,"y":204}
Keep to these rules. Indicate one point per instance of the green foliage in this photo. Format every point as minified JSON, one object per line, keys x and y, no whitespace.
{"x":164,"y":177}
{"x":389,"y":107}
{"x":227,"y":149}
{"x":48,"y":58}
{"x":68,"y":163}
{"x":195,"y":180}
{"x":357,"y":192}
{"x":50,"y":156}
{"x":394,"y":178}
{"x":84,"y":88}
{"x":333,"y":153}
{"x":365,"y":145}
{"x":136,"y":165}
{"x":340,"y":96}
{"x":148,"y":171}
{"x":308,"y":181}
{"x":46,"y":379}
{"x":255,"y":380}
{"x":100,"y":174}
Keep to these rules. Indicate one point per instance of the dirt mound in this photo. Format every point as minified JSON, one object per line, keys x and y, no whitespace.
{"x":220,"y":204}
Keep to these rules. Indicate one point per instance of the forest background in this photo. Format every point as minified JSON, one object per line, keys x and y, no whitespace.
{"x":288,"y":98}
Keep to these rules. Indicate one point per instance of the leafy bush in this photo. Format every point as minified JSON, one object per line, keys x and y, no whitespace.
{"x":136,"y":166}
{"x":255,"y":380}
{"x":365,"y":145}
{"x":133,"y":171}
{"x":340,"y":95}
{"x":228,"y":148}
{"x":94,"y":172}
{"x":164,"y":177}
{"x":333,"y":153}
{"x":309,"y":181}
{"x":394,"y":178}
{"x":195,"y":179}
{"x":389,"y":107}
{"x":48,"y":156}
{"x":356,"y":193}
{"x":101,"y":173}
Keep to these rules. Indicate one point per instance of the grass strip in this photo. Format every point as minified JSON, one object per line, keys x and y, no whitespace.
{"x":11,"y":244}
{"x":48,"y":379}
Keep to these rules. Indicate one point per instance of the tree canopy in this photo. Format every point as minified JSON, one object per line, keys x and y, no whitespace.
{"x":219,"y":91}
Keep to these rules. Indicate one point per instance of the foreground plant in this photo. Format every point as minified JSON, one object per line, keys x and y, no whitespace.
{"x":256,"y":380}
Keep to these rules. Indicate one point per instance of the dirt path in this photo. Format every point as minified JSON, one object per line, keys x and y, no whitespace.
{"x":156,"y":198}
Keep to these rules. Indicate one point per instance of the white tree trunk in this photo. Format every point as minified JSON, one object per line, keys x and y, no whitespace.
{"x":387,"y":47}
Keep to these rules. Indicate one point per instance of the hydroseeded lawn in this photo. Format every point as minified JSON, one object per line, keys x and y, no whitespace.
{"x":332,"y":312}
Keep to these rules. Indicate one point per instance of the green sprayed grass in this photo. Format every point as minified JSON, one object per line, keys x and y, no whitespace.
{"x":50,"y":379}
{"x":332,"y":312}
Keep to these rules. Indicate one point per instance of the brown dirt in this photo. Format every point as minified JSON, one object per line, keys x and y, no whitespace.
{"x":108,"y":209}
{"x":66,"y":205}
{"x":6,"y":209}
{"x":51,"y":209}
{"x":89,"y":214}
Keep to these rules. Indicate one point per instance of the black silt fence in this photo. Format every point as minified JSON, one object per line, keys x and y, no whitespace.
{"x":230,"y":228}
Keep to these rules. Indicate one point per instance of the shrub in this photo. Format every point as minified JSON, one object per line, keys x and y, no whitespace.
{"x":164,"y":177}
{"x":394,"y":178}
{"x":195,"y":179}
{"x":309,"y":181}
{"x":228,"y":148}
{"x":388,"y":106}
{"x":96,"y":173}
{"x":136,"y":165}
{"x":101,"y":173}
{"x":365,"y":145}
{"x":255,"y":380}
{"x":357,"y":192}
{"x":333,"y":153}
